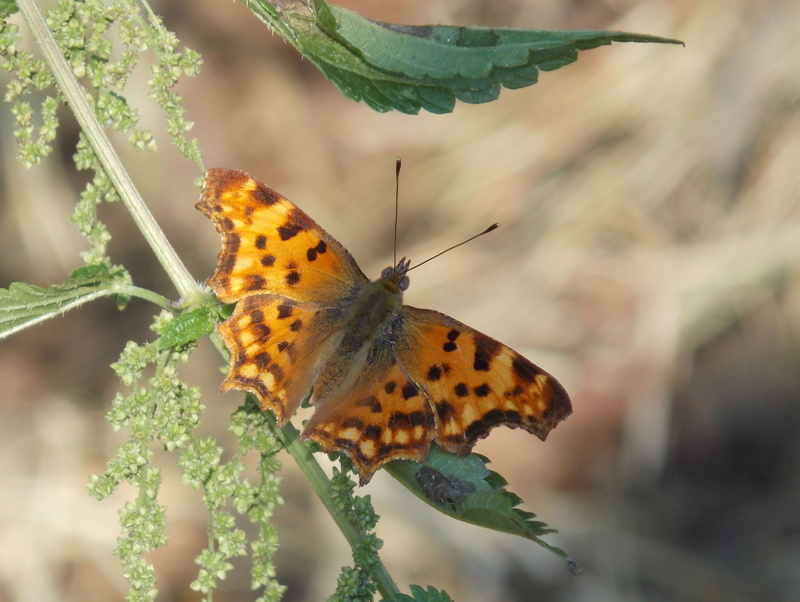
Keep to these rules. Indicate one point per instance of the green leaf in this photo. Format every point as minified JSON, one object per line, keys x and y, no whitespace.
{"x":23,"y":305}
{"x":7,"y":7}
{"x":423,"y":595}
{"x":187,"y":327}
{"x":462,"y":487}
{"x":408,"y":68}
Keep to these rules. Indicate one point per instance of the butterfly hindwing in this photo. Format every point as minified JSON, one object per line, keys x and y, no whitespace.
{"x":271,"y":246}
{"x":475,"y":383}
{"x":276,"y":345}
{"x":383,"y":416}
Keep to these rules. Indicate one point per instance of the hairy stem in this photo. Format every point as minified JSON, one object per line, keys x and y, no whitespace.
{"x":146,"y":294}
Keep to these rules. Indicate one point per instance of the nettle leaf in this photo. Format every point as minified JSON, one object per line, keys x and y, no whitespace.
{"x":462,"y":487}
{"x":431,"y":594}
{"x":408,"y":67}
{"x":23,"y":305}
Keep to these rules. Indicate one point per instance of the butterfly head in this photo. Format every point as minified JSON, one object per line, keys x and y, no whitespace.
{"x":395,"y":278}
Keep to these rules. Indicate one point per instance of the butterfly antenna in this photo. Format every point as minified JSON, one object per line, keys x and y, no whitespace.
{"x":463,"y":242}
{"x":398,"y":164}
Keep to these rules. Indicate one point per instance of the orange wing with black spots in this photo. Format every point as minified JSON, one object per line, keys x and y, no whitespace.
{"x":269,"y":245}
{"x":432,"y":378}
{"x":386,"y":379}
{"x":276,"y":345}
{"x":475,"y":383}
{"x":383,"y":416}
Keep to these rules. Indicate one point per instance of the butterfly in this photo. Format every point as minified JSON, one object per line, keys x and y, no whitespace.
{"x":386,"y":379}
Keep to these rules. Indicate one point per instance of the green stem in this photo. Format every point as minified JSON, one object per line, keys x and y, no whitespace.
{"x":77,"y":99}
{"x":322,"y":485}
{"x":147,"y":295}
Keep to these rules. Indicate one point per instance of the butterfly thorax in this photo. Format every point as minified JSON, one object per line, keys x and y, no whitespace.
{"x":367,"y":324}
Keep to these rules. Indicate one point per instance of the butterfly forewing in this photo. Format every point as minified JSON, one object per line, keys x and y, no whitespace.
{"x":474,"y":382}
{"x":271,"y":246}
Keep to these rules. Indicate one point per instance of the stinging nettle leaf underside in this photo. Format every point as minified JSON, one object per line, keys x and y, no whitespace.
{"x":408,"y":67}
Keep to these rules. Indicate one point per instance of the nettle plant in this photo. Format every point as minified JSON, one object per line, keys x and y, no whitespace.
{"x":390,"y":67}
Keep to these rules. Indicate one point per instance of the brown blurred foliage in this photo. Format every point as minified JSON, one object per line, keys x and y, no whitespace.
{"x":650,"y":197}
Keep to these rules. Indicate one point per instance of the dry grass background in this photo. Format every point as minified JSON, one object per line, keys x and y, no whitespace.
{"x":650,"y":197}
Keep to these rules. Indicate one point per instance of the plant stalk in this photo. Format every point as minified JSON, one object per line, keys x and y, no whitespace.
{"x":322,"y":485}
{"x":76,"y":98}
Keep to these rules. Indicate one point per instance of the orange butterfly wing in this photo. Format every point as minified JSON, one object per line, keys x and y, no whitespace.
{"x":276,"y":347}
{"x":271,"y":246}
{"x":384,"y":416}
{"x":475,"y":383}
{"x":289,"y":277}
{"x":435,"y":379}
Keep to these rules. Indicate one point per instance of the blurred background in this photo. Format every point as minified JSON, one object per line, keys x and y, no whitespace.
{"x":649,"y":255}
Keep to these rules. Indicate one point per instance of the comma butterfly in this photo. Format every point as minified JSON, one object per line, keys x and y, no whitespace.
{"x":386,"y":379}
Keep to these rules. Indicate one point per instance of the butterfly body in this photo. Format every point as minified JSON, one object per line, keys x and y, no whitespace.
{"x":386,"y":379}
{"x":366,"y":322}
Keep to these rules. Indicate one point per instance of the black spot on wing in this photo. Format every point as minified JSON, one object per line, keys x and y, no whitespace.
{"x":315,"y":252}
{"x":492,"y":418}
{"x":353,"y":422}
{"x":373,"y":432}
{"x":451,"y":345}
{"x":485,"y":350}
{"x":227,"y":259}
{"x":262,"y":360}
{"x":445,"y":410}
{"x":289,"y":230}
{"x":264,"y":195}
{"x":292,"y":278}
{"x":289,"y":349}
{"x":410,"y":390}
{"x":277,"y":372}
{"x":420,"y":418}
{"x":255,"y":282}
{"x":434,"y":374}
{"x":525,"y":370}
{"x":399,"y":420}
{"x":482,"y":390}
{"x":344,"y":444}
{"x":260,"y":331}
